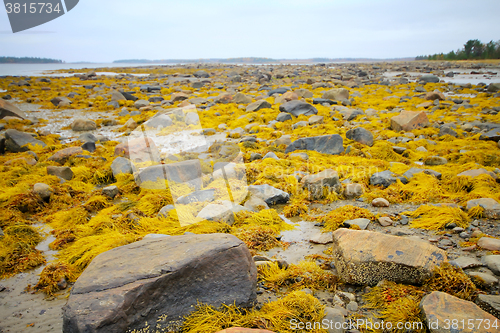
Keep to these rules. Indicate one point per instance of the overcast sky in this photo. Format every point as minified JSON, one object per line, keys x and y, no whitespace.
{"x":103,"y":31}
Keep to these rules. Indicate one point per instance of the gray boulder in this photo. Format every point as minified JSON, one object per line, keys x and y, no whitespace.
{"x":121,"y":165}
{"x":429,"y":79}
{"x":493,"y":135}
{"x":10,"y":110}
{"x":326,"y":144}
{"x":384,"y":179}
{"x":296,"y":108}
{"x":256,"y":106}
{"x":360,"y":135}
{"x":283,"y":116}
{"x":269,"y":194}
{"x":125,"y":287}
{"x":17,"y":141}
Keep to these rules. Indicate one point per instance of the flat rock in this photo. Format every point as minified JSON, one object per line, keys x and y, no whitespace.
{"x":361,"y":223}
{"x":360,"y":135}
{"x":188,"y":172}
{"x":466,"y":262}
{"x":439,"y":308}
{"x":321,"y":238}
{"x":491,"y":207}
{"x":297,"y":108}
{"x":256,"y":106}
{"x":17,"y":141}
{"x":326,"y":144}
{"x":365,"y":257}
{"x":492,"y":262}
{"x":477,"y":172}
{"x":269,"y":194}
{"x":489,"y":303}
{"x":409,"y":120}
{"x":8,"y":109}
{"x":490,"y":244}
{"x":493,"y":135}
{"x":485,"y":279}
{"x":80,"y":125}
{"x":62,"y":155}
{"x":338,"y":94}
{"x":131,"y":284}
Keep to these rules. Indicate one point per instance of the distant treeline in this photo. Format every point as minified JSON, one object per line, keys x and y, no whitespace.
{"x":473,"y":49}
{"x":28,"y":60}
{"x":187,"y":61}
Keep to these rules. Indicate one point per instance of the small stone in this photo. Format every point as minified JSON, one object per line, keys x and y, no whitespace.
{"x":380,"y":202}
{"x":110,"y":191}
{"x":490,"y":244}
{"x":43,"y":190}
{"x":353,"y":190}
{"x":435,"y":160}
{"x":385,"y":221}
{"x":322,"y":238}
{"x":83,"y":125}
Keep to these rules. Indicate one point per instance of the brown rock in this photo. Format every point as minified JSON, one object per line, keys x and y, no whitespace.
{"x":27,"y":160}
{"x":289,"y":96}
{"x":477,"y":172}
{"x":385,"y":221}
{"x":380,"y":202}
{"x":433,"y":95}
{"x":366,"y":257}
{"x":491,"y":207}
{"x":316,"y":183}
{"x":339,"y":94}
{"x":62,"y":155}
{"x":490,"y":244}
{"x":321,"y":238}
{"x":61,"y":172}
{"x":8,"y":109}
{"x":353,"y":190}
{"x":409,"y":120}
{"x":83,"y":125}
{"x":224,"y":98}
{"x":440,"y":308}
{"x":177,"y":97}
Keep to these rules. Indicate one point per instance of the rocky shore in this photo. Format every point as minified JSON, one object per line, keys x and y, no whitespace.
{"x":206,"y":198}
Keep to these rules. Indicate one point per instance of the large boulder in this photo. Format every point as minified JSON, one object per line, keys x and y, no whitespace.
{"x":360,"y":135}
{"x":336,"y":94}
{"x":327,"y":179}
{"x":17,"y":141}
{"x":10,"y":110}
{"x":409,"y":120}
{"x":366,"y":257}
{"x":296,"y":108}
{"x":383,"y":178}
{"x":441,"y":310}
{"x":326,"y":144}
{"x":188,"y":172}
{"x":127,"y":286}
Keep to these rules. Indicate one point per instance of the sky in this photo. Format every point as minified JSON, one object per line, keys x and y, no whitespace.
{"x":104,"y":31}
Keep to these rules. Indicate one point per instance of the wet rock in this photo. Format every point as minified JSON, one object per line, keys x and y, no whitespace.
{"x":337,"y":94}
{"x":197,"y":196}
{"x":383,"y":178}
{"x":62,"y":155}
{"x":326,"y":144}
{"x":491,"y":207}
{"x":360,"y":135}
{"x":365,"y":257}
{"x":188,"y":172}
{"x":317,"y":183}
{"x":361,"y":223}
{"x":17,"y":141}
{"x":269,"y":194}
{"x":121,"y":165}
{"x":321,"y":238}
{"x":380,"y":202}
{"x":489,"y":303}
{"x":492,"y":262}
{"x":10,"y":110}
{"x":493,"y":135}
{"x":255,"y":204}
{"x":490,"y":244}
{"x":80,"y":125}
{"x":409,"y":120}
{"x":43,"y":190}
{"x":297,"y":108}
{"x":258,"y":105}
{"x":353,"y":191}
{"x":439,"y":308}
{"x":111,"y":191}
{"x":61,"y":172}
{"x":435,"y":160}
{"x":128,"y":285}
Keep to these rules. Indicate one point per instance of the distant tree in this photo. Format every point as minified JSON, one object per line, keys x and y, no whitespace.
{"x":468,"y":48}
{"x":477,"y":49}
{"x":473,"y":49}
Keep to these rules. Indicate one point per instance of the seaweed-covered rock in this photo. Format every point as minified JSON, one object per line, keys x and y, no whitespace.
{"x":269,"y":194}
{"x":441,"y":310}
{"x":383,"y":178}
{"x":316,"y":183}
{"x":61,"y":172}
{"x":326,"y":144}
{"x":296,"y":108}
{"x":366,"y":257}
{"x":360,"y":135}
{"x":121,"y":165}
{"x":10,"y":110}
{"x":409,"y":120}
{"x":181,"y":172}
{"x":128,"y":285}
{"x":43,"y":190}
{"x":491,"y":207}
{"x":17,"y":141}
{"x":62,"y":155}
{"x":489,"y":303}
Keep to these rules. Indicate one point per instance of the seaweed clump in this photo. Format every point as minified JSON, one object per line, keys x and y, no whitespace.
{"x":54,"y":277}
{"x":437,"y":217}
{"x":452,"y":280}
{"x":334,"y":219}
